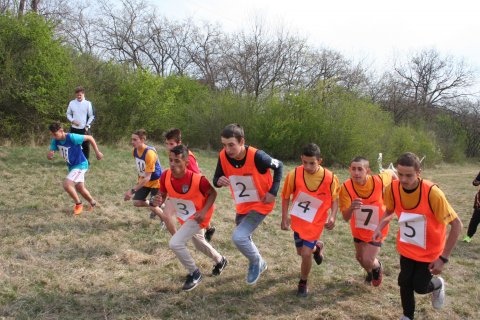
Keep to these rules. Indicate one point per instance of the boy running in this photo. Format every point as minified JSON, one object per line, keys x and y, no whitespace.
{"x":423,"y":214}
{"x":173,"y":138}
{"x":192,"y":197}
{"x":315,"y":192}
{"x":475,"y":220}
{"x":149,"y":171}
{"x":246,"y":171}
{"x":361,"y":202}
{"x":69,"y":146}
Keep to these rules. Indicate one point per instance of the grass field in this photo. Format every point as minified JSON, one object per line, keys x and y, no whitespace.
{"x":115,"y":263}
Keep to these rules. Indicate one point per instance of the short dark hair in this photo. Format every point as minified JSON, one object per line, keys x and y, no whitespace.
{"x":141,"y":133}
{"x":173,"y":134}
{"x":180,"y":150}
{"x":312,"y":150}
{"x":79,"y":89}
{"x":233,"y":130}
{"x":55,"y":126}
{"x":409,"y":159}
{"x":360,"y":159}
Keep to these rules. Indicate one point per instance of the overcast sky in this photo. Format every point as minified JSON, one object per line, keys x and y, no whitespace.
{"x":373,"y":29}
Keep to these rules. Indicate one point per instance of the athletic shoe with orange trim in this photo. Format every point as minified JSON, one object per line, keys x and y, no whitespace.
{"x":77,"y":209}
{"x":92,"y":206}
{"x":377,"y":275}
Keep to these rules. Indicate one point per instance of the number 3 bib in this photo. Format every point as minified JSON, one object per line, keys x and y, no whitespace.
{"x":184,"y":208}
{"x":244,"y":189}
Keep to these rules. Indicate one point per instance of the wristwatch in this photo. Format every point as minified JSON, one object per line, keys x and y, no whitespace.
{"x":445,"y":260}
{"x":132,"y":191}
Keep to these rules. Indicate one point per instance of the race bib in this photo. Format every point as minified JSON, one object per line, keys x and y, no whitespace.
{"x":413,"y":228}
{"x":184,"y":208}
{"x":140,"y":167}
{"x":367,"y":217}
{"x":244,"y":189}
{"x":64,"y":152}
{"x":305,"y":207}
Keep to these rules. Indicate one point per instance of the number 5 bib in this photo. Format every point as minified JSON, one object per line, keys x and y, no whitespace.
{"x":413,"y":228}
{"x":244,"y":189}
{"x":305,"y":207}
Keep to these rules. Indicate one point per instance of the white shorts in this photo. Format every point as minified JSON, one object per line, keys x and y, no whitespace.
{"x":77,"y":175}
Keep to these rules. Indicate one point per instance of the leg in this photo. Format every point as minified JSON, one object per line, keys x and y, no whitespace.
{"x":178,"y":244}
{"x":405,"y":281}
{"x":204,"y":247}
{"x":474,"y":221}
{"x":242,"y":235}
{"x":80,"y":187}
{"x":306,"y":266}
{"x":69,"y":187}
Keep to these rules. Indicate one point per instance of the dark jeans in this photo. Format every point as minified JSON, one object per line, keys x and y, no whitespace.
{"x":414,"y":277}
{"x":85,"y":144}
{"x":474,"y":221}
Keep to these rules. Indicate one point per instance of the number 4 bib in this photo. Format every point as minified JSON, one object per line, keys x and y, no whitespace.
{"x":305,"y":207}
{"x":413,"y":228}
{"x":244,"y":189}
{"x":184,"y":208}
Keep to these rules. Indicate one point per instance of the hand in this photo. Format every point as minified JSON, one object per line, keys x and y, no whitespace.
{"x":356,"y":204}
{"x":75,"y":123}
{"x":199,"y":216}
{"x":223,"y":181}
{"x":436,"y":267}
{"x":128,"y":195}
{"x":99,"y":155}
{"x":157,"y":200}
{"x":268,"y":198}
{"x":285,"y":225}
{"x":50,"y":155}
{"x":330,"y":223}
{"x":377,"y":235}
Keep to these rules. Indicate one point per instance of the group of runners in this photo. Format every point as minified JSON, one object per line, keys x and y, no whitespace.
{"x":311,"y":197}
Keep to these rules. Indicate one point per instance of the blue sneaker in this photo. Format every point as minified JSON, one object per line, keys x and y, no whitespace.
{"x":254,"y":271}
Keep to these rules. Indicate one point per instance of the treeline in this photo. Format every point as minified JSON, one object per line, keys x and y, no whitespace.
{"x":198,"y":78}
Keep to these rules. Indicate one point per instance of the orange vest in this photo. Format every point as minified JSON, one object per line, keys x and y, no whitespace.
{"x":248,"y":186}
{"x":186,"y":204}
{"x":420,"y":236}
{"x":309,"y":210}
{"x":364,"y":222}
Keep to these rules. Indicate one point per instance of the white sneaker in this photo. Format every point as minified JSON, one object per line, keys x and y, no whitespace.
{"x":438,"y":295}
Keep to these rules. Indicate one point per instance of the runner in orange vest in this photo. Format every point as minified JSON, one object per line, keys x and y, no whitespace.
{"x":173,"y":138}
{"x":423,"y":215}
{"x":192,"y":197}
{"x":246,"y":171}
{"x":315,"y":192}
{"x":361,"y":203}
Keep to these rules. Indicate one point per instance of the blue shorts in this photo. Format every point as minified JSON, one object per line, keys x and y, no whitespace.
{"x":299,"y":242}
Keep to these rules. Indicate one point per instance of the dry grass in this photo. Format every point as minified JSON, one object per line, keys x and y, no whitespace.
{"x":115,"y":263}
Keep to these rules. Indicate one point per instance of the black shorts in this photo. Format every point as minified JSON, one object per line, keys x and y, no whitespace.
{"x":143,"y":193}
{"x":373,"y":243}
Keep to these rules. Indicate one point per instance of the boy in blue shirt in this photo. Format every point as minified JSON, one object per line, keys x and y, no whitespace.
{"x":70,"y":147}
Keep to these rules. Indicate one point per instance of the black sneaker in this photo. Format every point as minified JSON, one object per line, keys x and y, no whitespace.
{"x":368,"y":278}
{"x":318,"y":253}
{"x":302,"y":289}
{"x":193,"y":279}
{"x":218,"y":268}
{"x":209,"y":233}
{"x":377,"y":275}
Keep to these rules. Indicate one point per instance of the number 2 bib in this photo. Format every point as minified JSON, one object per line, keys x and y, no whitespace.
{"x":413,"y":228}
{"x":184,"y":208}
{"x":244,"y":189}
{"x":305,"y":207}
{"x":367,"y":217}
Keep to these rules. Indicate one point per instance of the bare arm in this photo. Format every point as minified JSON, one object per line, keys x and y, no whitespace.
{"x":387,"y":217}
{"x":285,"y":224}
{"x":199,"y":216}
{"x":94,"y":145}
{"x":333,"y":215}
{"x":436,"y":267}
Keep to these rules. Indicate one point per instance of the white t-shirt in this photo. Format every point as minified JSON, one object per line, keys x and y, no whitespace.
{"x":79,"y":111}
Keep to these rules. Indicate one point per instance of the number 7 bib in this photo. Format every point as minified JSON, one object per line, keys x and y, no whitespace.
{"x":244,"y":189}
{"x":413,"y":228}
{"x":305,"y":207}
{"x":366,"y":217}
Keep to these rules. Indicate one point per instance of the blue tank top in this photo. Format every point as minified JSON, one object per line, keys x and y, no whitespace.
{"x":71,"y":152}
{"x":140,"y":161}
